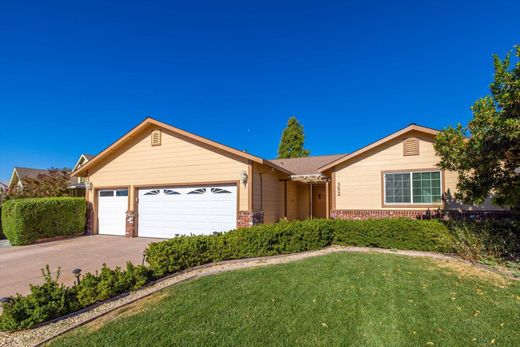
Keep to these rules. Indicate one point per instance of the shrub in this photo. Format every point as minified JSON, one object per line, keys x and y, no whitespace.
{"x":51,"y":300}
{"x":486,"y":240}
{"x":290,"y":237}
{"x":402,"y":233}
{"x":27,"y":220}
{"x":47,"y":301}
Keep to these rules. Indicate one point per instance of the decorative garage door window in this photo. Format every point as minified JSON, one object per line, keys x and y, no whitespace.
{"x":153,"y":192}
{"x":220,"y":191}
{"x":198,"y":191}
{"x":171,"y":192}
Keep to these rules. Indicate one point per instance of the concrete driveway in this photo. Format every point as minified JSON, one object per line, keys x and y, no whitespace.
{"x":20,"y":266}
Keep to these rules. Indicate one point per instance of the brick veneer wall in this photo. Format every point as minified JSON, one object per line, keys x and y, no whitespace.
{"x":89,"y":225}
{"x":130,"y":225}
{"x":418,"y":214}
{"x":249,"y":218}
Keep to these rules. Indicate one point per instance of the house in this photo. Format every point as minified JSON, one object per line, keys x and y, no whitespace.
{"x":76,"y":184}
{"x":161,"y":181}
{"x":3,"y":186}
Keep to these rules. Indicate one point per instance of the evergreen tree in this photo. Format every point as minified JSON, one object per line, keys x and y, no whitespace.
{"x":291,"y":144}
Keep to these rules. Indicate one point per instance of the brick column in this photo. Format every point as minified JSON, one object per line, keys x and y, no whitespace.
{"x":249,"y":218}
{"x":130,"y":227}
{"x":89,"y":225}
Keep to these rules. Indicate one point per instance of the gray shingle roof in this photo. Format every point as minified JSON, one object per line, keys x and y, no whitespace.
{"x":306,"y":165}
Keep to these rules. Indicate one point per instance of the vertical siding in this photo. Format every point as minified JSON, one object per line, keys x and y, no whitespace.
{"x":177,"y":160}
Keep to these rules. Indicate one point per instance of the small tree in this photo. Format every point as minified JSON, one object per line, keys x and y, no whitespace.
{"x":488,"y":161}
{"x":53,"y":183}
{"x":291,"y":143}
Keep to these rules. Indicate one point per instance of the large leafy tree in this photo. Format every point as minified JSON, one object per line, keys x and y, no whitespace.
{"x":291,"y":143}
{"x":486,"y":153}
{"x":55,"y":182}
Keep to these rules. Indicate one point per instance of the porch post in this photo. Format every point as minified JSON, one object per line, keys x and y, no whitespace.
{"x":327,"y":192}
{"x":310,"y":201}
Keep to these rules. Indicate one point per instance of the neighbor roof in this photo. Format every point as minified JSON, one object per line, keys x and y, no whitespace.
{"x":306,"y":165}
{"x":25,"y":172}
{"x":150,"y":121}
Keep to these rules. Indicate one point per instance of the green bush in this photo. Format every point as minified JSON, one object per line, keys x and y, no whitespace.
{"x":402,"y":233}
{"x":47,"y":301}
{"x":290,"y":237}
{"x":26,"y":220}
{"x":51,"y":299}
{"x":485,"y":240}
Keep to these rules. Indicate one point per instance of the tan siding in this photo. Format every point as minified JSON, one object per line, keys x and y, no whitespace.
{"x":360,"y":179}
{"x":176,"y":161}
{"x":272,"y":197}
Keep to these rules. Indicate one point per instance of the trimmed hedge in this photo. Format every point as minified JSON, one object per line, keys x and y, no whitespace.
{"x":26,"y":220}
{"x":290,"y":237}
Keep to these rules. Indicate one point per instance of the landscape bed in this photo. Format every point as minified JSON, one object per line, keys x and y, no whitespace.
{"x":332,"y":300}
{"x":52,"y":299}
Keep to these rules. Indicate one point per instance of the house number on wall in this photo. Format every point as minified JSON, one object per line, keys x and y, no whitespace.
{"x":338,"y":189}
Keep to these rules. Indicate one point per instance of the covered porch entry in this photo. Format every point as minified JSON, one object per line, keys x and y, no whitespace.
{"x":307,"y":197}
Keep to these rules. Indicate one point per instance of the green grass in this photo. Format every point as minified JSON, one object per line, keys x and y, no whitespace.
{"x":335,"y":300}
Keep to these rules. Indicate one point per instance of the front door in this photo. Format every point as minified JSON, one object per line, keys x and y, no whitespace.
{"x":318,"y":202}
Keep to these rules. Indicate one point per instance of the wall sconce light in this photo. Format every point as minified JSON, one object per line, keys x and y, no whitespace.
{"x":243,"y":177}
{"x":89,"y":185}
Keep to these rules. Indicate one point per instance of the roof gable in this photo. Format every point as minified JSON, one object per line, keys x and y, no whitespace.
{"x":152,"y":122}
{"x":408,"y":129}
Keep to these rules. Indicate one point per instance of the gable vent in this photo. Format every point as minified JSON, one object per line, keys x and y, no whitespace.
{"x":156,"y":138}
{"x":411,"y":147}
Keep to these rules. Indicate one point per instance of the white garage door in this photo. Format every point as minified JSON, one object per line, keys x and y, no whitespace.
{"x":168,"y":212}
{"x":112,"y":207}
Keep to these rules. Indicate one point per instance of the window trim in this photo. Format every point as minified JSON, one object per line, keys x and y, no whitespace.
{"x":411,"y":204}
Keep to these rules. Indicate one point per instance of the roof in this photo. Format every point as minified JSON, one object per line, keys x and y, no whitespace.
{"x":409,"y":128}
{"x":88,"y":156}
{"x":26,"y":172}
{"x":85,"y":156}
{"x":306,"y":165}
{"x":152,"y":122}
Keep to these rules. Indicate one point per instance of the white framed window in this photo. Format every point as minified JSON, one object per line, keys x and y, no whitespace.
{"x":415,"y":187}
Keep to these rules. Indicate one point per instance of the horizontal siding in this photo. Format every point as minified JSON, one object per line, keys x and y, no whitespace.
{"x":176,"y":161}
{"x":360,"y":180}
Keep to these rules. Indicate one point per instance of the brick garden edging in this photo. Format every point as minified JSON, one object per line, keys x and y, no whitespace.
{"x":49,"y":330}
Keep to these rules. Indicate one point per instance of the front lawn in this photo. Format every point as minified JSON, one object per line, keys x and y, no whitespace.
{"x":338,"y":299}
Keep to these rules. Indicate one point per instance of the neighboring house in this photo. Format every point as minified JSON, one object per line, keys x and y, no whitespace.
{"x":3,"y":186}
{"x":76,"y":185}
{"x":161,"y":181}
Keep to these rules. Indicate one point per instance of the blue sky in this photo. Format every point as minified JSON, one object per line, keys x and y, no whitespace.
{"x":76,"y":75}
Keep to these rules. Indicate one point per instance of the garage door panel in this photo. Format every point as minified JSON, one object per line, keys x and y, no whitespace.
{"x":112,"y":207}
{"x":167,"y":212}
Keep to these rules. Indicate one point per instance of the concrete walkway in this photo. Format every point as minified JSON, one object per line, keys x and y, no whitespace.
{"x":20,"y":266}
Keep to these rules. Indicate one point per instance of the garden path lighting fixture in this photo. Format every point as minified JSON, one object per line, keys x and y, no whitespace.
{"x":6,"y":300}
{"x":77,"y":273}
